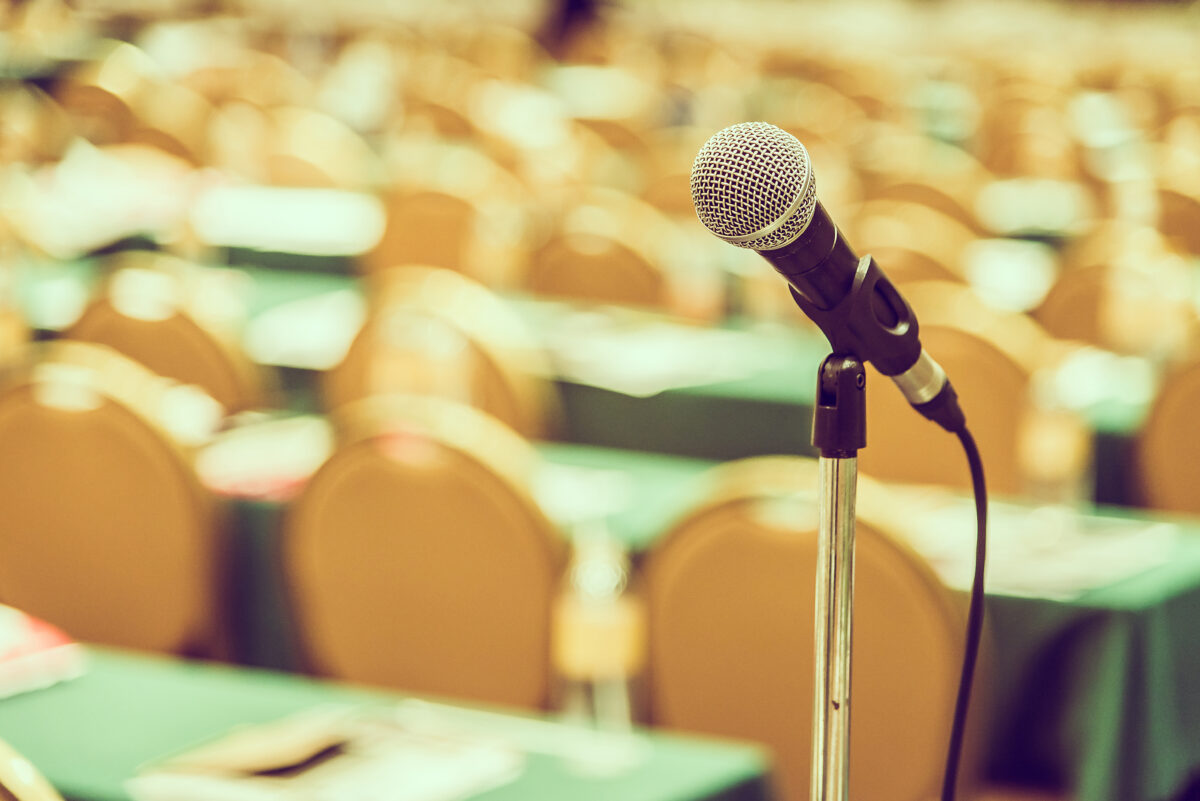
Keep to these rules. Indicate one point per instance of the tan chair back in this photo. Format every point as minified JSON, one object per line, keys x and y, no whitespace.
{"x":424,"y":227}
{"x":956,"y":204}
{"x":912,"y":226}
{"x":730,"y":595}
{"x":36,"y":129}
{"x":596,"y":268}
{"x":172,"y":118}
{"x":1141,"y":310}
{"x":904,"y":264}
{"x":14,"y":333}
{"x":417,"y":558}
{"x":604,"y":249}
{"x":1073,"y":308}
{"x":994,"y":392}
{"x":991,"y":356}
{"x":100,"y":94}
{"x":1178,"y":213}
{"x":1168,"y":443}
{"x":308,"y":148}
{"x":107,"y":532}
{"x":432,"y":331}
{"x":144,"y":313}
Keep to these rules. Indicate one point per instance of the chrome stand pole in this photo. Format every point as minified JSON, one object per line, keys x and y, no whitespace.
{"x":834,"y":624}
{"x":839,"y":430}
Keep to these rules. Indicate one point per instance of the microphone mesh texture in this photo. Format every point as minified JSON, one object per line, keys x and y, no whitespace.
{"x":749,"y":177}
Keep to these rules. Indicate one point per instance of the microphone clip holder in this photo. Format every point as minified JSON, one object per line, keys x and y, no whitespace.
{"x":872,"y":320}
{"x":840,"y":411}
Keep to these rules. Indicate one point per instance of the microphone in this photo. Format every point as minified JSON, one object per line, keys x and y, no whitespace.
{"x":753,"y":186}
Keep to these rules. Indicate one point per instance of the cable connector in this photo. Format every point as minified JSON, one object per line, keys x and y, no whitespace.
{"x":944,"y":410}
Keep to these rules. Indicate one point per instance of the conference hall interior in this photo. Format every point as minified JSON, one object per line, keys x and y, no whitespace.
{"x":564,"y":400}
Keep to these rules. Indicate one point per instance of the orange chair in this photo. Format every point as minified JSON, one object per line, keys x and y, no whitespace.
{"x":596,"y":268}
{"x":145,"y":314}
{"x":913,"y":227}
{"x":100,"y":94}
{"x":730,"y":602}
{"x":991,"y":357}
{"x":451,"y":204}
{"x":1168,"y":441}
{"x":424,"y":227}
{"x":106,"y":531}
{"x":417,"y":558}
{"x":994,"y":392}
{"x":604,"y":250}
{"x":1179,"y":219}
{"x":432,"y":331}
{"x":1141,"y":309}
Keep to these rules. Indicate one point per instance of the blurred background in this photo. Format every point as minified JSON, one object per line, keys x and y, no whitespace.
{"x":378,"y":340}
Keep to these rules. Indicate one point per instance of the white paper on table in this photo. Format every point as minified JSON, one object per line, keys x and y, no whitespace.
{"x":312,"y":333}
{"x":371,"y":757}
{"x":95,"y":196}
{"x":584,"y":750}
{"x":265,"y":454}
{"x":319,"y":222}
{"x":571,"y":494}
{"x":645,"y":357}
{"x":1045,"y":552}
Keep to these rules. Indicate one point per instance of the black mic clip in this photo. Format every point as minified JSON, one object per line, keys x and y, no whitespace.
{"x":874,"y":323}
{"x":871,"y":321}
{"x":840,"y":415}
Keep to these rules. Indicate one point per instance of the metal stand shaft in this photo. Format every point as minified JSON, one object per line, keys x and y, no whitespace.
{"x":835,"y":595}
{"x":839,"y":430}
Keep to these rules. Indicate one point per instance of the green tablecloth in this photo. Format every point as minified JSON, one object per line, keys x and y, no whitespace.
{"x":1102,"y":693}
{"x":765,"y":410}
{"x":91,"y":734}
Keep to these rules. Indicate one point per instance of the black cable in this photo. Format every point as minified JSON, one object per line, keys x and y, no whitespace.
{"x":974,"y":617}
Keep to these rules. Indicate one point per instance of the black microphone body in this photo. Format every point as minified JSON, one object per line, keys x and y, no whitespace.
{"x":861,"y":312}
{"x":849,"y":298}
{"x":824,"y":272}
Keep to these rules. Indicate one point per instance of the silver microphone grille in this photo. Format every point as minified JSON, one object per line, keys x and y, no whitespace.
{"x":753,"y":186}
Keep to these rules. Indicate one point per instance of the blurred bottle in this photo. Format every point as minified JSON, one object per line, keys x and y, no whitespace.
{"x":1055,"y":452}
{"x":598,"y":632}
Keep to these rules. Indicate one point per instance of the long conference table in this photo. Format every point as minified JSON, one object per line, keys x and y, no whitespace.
{"x":715,"y":393}
{"x":89,"y":736}
{"x":1094,"y":618}
{"x":723,"y":393}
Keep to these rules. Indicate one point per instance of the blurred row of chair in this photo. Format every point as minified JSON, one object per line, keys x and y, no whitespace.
{"x":485,"y":150}
{"x":416,"y":557}
{"x":108,"y":531}
{"x":433,"y":331}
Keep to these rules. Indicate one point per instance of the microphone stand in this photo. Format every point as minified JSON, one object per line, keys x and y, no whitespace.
{"x":839,"y":431}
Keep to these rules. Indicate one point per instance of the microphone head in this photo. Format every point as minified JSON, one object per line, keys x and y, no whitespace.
{"x":753,"y":186}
